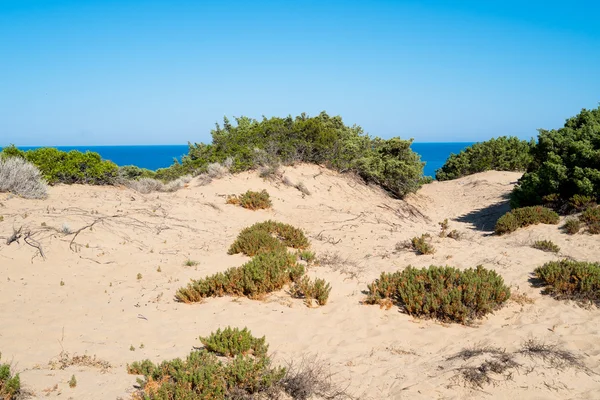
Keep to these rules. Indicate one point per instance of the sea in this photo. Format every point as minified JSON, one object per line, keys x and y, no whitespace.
{"x":160,"y":156}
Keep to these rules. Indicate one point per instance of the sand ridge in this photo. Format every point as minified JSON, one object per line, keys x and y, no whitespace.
{"x":103,"y":309}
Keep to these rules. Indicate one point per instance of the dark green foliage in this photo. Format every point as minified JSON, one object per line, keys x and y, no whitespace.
{"x":10,"y":385}
{"x":265,"y":273}
{"x":572,"y":226}
{"x":573,"y":280}
{"x":506,"y":153}
{"x":320,"y":140}
{"x":251,"y":200}
{"x":444,"y":293}
{"x":232,"y":342}
{"x":132,"y":172}
{"x":526,"y":216}
{"x":204,"y":376}
{"x":317,"y":290}
{"x":421,"y":244}
{"x":546,"y":245}
{"x":580,"y":203}
{"x":70,"y":167}
{"x":591,"y":218}
{"x":566,"y":162}
{"x":268,"y":236}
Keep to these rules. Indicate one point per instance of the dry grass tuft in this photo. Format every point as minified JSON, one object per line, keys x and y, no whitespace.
{"x":65,"y":360}
{"x":22,"y":178}
{"x":149,"y":185}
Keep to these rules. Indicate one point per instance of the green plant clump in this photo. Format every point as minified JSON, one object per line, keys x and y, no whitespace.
{"x":546,"y":245}
{"x":252,"y":200}
{"x":317,"y":290}
{"x":573,"y":280}
{"x":232,"y":342}
{"x":444,"y":293}
{"x":421,"y":244}
{"x":526,"y":216}
{"x":506,"y":153}
{"x":265,"y":273}
{"x":572,"y":226}
{"x":322,"y":140}
{"x":202,"y":375}
{"x":591,"y":218}
{"x":70,"y":167}
{"x":10,"y":385}
{"x":268,"y":236}
{"x":565,"y":163}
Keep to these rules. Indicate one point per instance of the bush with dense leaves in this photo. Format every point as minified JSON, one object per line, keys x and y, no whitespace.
{"x":203,"y":375}
{"x":422,"y":244}
{"x":320,"y":140}
{"x":444,"y":293}
{"x":268,"y":236}
{"x":591,"y":218}
{"x":546,"y":245}
{"x":232,"y":342}
{"x":526,"y":216}
{"x":566,"y":162}
{"x":569,"y":279}
{"x":265,"y":273}
{"x":572,"y":226}
{"x":251,"y":200}
{"x":506,"y":153}
{"x":70,"y":167}
{"x":311,"y":290}
{"x":10,"y":385}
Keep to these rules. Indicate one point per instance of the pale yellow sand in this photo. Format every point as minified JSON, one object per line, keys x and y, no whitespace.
{"x":103,"y":308}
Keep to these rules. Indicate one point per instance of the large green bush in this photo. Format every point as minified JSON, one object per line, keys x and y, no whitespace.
{"x":321,"y":140}
{"x":566,"y":162}
{"x":573,"y":280}
{"x":506,"y":153}
{"x":444,"y":293}
{"x":70,"y":167}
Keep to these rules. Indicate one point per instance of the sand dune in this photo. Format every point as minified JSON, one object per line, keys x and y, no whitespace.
{"x":103,"y":309}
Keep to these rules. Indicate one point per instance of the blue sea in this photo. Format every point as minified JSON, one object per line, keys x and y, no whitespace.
{"x":154,"y":157}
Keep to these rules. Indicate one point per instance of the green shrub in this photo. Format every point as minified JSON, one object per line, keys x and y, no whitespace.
{"x":232,"y":342}
{"x":132,"y":172}
{"x":268,"y":236}
{"x":203,"y":376}
{"x":251,"y":200}
{"x":501,"y":154}
{"x":322,"y":140}
{"x":265,"y":273}
{"x":580,"y":203}
{"x":421,"y":244}
{"x":305,"y":255}
{"x":444,"y":293}
{"x":591,"y":218}
{"x":526,"y":216}
{"x":10,"y":385}
{"x":573,"y":280}
{"x":70,"y":167}
{"x":572,"y":226}
{"x":565,"y":162}
{"x":317,"y":290}
{"x":546,"y":245}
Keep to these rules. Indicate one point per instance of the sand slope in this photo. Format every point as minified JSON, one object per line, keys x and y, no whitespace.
{"x":103,"y":309}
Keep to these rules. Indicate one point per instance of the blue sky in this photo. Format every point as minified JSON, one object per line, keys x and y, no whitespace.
{"x":163,"y":72}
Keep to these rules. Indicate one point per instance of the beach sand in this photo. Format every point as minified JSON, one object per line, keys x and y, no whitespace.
{"x":102,"y":309}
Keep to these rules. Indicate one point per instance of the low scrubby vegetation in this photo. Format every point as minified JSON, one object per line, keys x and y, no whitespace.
{"x":58,"y":166}
{"x":591,"y":218}
{"x":10,"y":384}
{"x":268,"y":236}
{"x":251,"y":200}
{"x":572,"y":226}
{"x":565,"y":163}
{"x":232,"y":365}
{"x":506,"y":153}
{"x":422,"y":244}
{"x":526,"y":216}
{"x":445,"y":293}
{"x":546,"y":245}
{"x":572,"y":280}
{"x":322,"y":140}
{"x":150,"y":185}
{"x":20,"y":177}
{"x":311,"y":290}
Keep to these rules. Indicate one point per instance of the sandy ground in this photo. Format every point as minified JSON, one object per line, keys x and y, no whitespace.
{"x":101,"y":308}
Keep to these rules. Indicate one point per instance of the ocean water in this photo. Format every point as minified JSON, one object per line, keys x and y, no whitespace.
{"x":154,"y":157}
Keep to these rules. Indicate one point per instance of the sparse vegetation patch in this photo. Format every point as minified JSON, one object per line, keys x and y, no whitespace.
{"x":546,"y":245}
{"x":444,"y":293}
{"x":572,"y":226}
{"x":251,"y":200}
{"x":422,"y":244}
{"x":10,"y":384}
{"x":311,"y":290}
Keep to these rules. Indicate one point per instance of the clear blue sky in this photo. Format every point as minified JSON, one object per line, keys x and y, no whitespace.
{"x":163,"y":72}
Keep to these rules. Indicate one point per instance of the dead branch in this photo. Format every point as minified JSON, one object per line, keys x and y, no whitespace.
{"x":34,"y":243}
{"x":16,"y":235}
